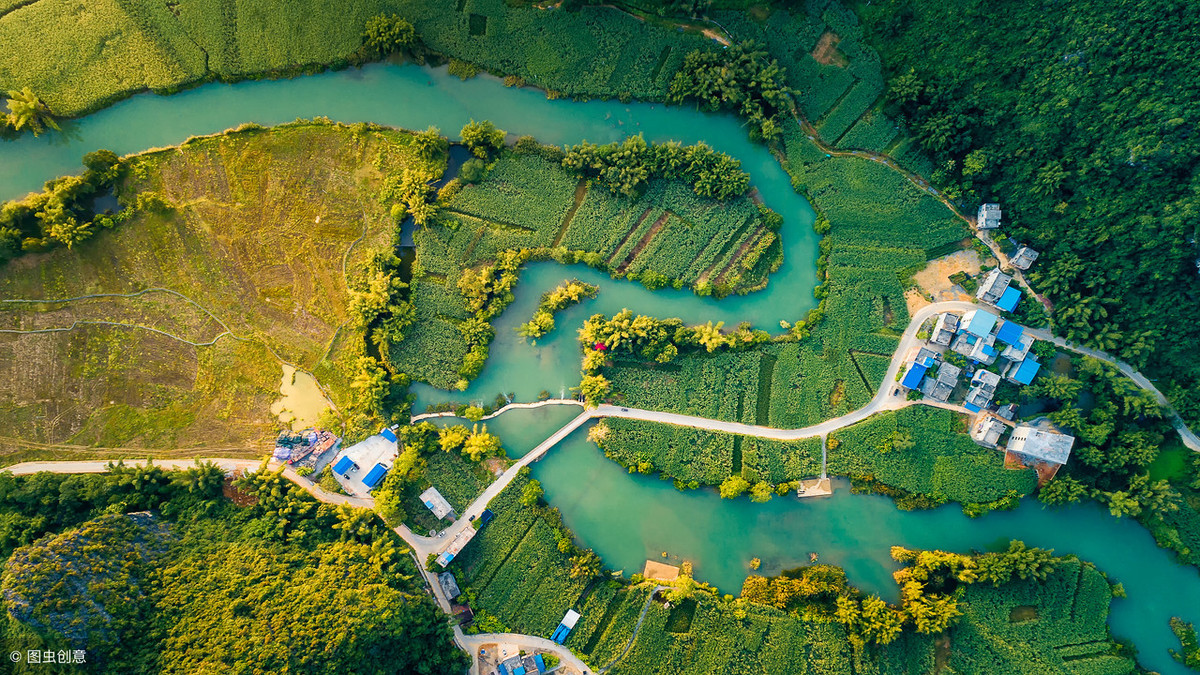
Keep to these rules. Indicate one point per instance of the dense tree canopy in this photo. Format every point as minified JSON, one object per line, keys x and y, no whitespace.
{"x":199,"y":585}
{"x":1081,"y":123}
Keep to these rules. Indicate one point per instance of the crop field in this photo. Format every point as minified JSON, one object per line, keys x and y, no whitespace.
{"x":943,"y":463}
{"x":588,"y":52}
{"x":707,"y":457}
{"x":514,"y":568}
{"x":86,"y":56}
{"x":527,"y":202}
{"x":880,"y":226}
{"x":433,"y":348}
{"x":81,"y":56}
{"x":719,"y":386}
{"x":1069,"y":633}
{"x":873,"y":131}
{"x":104,"y":391}
{"x":253,"y":245}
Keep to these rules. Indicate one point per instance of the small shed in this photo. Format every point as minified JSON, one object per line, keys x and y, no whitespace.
{"x":436,"y":503}
{"x":388,"y":434}
{"x":375,"y":475}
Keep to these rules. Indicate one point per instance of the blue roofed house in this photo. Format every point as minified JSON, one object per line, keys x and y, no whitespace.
{"x":1009,"y":332}
{"x":388,"y":434}
{"x":916,"y":373}
{"x":924,"y":360}
{"x":1008,"y":301}
{"x":375,"y":475}
{"x":344,"y":466}
{"x":978,"y":322}
{"x":1023,"y":372}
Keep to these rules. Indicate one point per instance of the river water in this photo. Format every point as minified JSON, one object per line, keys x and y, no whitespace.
{"x":629,"y":518}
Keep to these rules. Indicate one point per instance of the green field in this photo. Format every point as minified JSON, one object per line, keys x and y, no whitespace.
{"x":880,"y":227}
{"x":246,"y":270}
{"x":528,"y":203}
{"x":514,"y":570}
{"x":86,"y":57}
{"x":1056,"y":626}
{"x":943,"y":464}
{"x":702,"y":457}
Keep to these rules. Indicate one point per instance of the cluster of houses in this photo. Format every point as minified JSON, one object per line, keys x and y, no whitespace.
{"x":984,"y":339}
{"x":995,"y":350}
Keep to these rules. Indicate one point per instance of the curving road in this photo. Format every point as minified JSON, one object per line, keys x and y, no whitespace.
{"x":472,"y":643}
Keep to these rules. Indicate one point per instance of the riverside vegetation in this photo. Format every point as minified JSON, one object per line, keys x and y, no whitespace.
{"x":522,"y":572}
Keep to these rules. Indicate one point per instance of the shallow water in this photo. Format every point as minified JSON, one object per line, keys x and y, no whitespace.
{"x":301,"y":400}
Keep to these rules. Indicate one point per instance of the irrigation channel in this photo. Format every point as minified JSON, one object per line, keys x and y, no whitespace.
{"x":629,"y":518}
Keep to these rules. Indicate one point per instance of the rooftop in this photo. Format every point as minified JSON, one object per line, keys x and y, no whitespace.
{"x":1008,"y":301}
{"x":916,"y":372}
{"x":436,"y":503}
{"x":374,"y":451}
{"x":1010,"y":333}
{"x":1041,"y":444}
{"x":979,"y":322}
{"x":1025,"y":371}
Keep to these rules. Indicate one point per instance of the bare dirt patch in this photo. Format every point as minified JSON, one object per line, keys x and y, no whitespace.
{"x":827,"y":53}
{"x":934,"y":280}
{"x":915,"y":300}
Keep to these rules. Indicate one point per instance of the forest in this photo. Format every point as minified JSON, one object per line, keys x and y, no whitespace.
{"x":1080,"y":124}
{"x":173,"y":577}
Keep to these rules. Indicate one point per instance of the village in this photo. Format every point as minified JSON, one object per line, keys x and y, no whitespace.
{"x":967,"y":358}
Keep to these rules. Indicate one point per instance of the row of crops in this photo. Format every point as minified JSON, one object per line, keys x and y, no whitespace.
{"x":514,"y":569}
{"x":942,"y":462}
{"x":594,"y":51}
{"x":699,"y":457}
{"x":80,"y":56}
{"x":527,"y":203}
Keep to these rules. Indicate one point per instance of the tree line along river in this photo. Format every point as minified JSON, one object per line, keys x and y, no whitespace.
{"x":629,"y":518}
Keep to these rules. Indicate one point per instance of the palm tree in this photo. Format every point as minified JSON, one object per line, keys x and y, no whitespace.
{"x":25,"y":109}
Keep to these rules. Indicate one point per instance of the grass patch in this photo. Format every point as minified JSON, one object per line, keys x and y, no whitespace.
{"x":260,"y":224}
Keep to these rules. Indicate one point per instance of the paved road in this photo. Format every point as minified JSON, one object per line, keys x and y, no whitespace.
{"x":510,"y":406}
{"x":1189,"y":437}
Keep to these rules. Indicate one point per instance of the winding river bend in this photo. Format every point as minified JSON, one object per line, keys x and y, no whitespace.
{"x":628,"y":518}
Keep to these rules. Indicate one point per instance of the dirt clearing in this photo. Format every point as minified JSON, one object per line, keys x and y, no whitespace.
{"x":827,"y":53}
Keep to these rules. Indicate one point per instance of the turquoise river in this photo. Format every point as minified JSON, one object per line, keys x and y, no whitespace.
{"x":629,"y":518}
